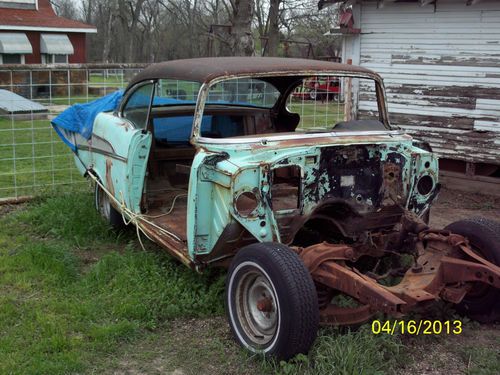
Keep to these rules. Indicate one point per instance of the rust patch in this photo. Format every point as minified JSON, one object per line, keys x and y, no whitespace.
{"x":109,"y":178}
{"x":336,"y":315}
{"x":439,"y":272}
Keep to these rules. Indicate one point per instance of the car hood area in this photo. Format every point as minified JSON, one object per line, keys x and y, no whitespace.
{"x":360,"y":184}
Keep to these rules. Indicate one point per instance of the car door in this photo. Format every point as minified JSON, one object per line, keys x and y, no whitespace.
{"x":121,"y":145}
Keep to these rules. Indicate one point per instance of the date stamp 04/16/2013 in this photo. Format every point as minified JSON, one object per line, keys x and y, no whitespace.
{"x":417,"y":327}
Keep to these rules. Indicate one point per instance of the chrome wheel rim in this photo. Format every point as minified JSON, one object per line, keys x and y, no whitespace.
{"x":256,"y":306}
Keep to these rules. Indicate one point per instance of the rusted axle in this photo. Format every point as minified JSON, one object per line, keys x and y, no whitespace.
{"x":444,"y":269}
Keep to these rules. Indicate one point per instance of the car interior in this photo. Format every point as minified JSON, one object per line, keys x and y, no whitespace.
{"x":172,"y":153}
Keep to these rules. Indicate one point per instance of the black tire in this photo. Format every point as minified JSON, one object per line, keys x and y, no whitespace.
{"x":106,"y":209}
{"x":482,"y":303}
{"x":289,"y":324}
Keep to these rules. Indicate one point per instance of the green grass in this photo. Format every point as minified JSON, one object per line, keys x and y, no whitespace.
{"x":57,"y":313}
{"x":70,"y":100}
{"x":481,"y":360}
{"x":101,"y":79}
{"x":33,"y":159}
{"x":346,"y":352}
{"x":73,"y":293}
{"x":317,"y":115}
{"x":75,"y":297}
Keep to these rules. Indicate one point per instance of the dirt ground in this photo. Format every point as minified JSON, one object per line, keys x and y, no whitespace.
{"x":185,"y":347}
{"x":453,"y":205}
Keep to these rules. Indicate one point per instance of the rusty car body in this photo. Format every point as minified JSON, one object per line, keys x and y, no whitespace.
{"x":229,"y":174}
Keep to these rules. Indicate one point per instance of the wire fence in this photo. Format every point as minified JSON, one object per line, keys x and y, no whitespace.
{"x":33,"y":159}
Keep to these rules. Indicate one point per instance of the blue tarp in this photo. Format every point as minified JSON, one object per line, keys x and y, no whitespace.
{"x":79,"y":118}
{"x":177,"y":130}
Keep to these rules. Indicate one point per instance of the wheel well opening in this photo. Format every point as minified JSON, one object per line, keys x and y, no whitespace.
{"x":326,"y":224}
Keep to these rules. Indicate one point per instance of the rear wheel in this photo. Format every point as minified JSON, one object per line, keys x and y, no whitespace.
{"x":107,"y":211}
{"x":271,"y":301}
{"x":482,"y":302}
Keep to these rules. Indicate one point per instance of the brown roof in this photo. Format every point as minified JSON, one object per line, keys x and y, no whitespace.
{"x":210,"y":68}
{"x":43,"y":17}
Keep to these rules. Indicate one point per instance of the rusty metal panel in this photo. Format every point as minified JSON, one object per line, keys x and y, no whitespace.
{"x":441,"y":67}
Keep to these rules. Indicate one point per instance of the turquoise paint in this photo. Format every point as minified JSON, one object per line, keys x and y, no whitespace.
{"x":131,"y":145}
{"x":213,"y":190}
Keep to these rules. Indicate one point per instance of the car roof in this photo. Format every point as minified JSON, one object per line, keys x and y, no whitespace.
{"x":204,"y":70}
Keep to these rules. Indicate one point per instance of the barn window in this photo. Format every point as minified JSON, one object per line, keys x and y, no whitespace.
{"x":12,"y":58}
{"x":54,"y":59}
{"x":55,"y":48}
{"x":13,"y":47}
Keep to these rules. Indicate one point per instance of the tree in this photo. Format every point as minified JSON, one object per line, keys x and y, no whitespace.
{"x":273,"y":31}
{"x":65,"y":8}
{"x":242,"y":42}
{"x":156,"y":30}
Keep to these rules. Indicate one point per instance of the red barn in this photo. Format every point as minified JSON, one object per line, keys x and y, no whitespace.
{"x":31,"y":33}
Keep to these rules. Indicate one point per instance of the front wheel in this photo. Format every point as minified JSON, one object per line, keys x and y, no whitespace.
{"x":271,"y":301}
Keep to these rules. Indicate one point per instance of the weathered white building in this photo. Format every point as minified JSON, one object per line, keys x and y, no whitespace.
{"x":440,"y":61}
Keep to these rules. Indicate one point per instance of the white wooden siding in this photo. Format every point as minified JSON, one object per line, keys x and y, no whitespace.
{"x":441,"y":67}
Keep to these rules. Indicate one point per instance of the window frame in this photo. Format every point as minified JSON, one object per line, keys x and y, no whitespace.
{"x":49,"y":58}
{"x":127,"y":98}
{"x":21,"y":55}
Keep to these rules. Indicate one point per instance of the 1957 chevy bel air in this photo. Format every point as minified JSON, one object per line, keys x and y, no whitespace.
{"x":221,"y":164}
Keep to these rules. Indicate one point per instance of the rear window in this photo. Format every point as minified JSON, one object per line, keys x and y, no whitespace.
{"x":247,"y":107}
{"x":244,"y":92}
{"x":175,"y":92}
{"x":240,"y":91}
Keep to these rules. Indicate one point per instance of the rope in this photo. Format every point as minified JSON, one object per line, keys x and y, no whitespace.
{"x":130,"y":217}
{"x":173,"y":204}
